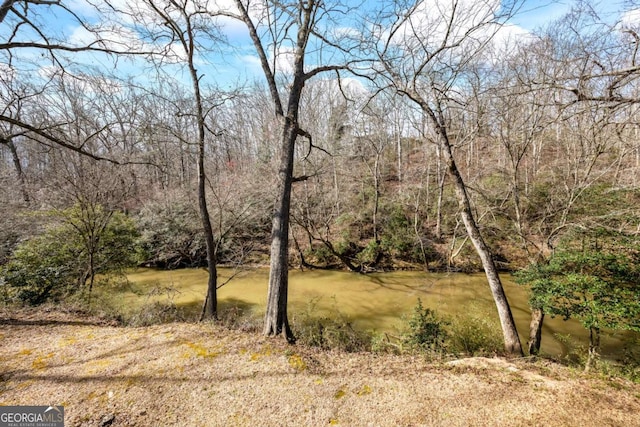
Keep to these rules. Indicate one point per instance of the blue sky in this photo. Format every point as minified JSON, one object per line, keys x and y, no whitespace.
{"x":537,"y":13}
{"x":237,"y":64}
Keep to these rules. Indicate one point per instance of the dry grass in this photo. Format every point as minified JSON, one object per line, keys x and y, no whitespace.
{"x":203,"y":375}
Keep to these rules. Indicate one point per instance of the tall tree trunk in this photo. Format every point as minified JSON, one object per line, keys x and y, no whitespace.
{"x":376,"y":196}
{"x":211,"y":300}
{"x":92,"y":270}
{"x":511,"y":339}
{"x":594,"y":347}
{"x":535,"y":331}
{"x":18,"y":166}
{"x":399,"y":154}
{"x":276,"y":320}
{"x":417,"y":231}
{"x":187,"y":37}
{"x":518,"y":211}
{"x":441,"y":176}
{"x":305,"y":15}
{"x":336,"y":187}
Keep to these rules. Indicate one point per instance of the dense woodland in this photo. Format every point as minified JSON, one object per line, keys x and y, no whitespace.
{"x":394,"y":136}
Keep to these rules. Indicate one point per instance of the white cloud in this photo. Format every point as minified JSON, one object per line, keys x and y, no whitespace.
{"x":630,"y":19}
{"x":506,"y":38}
{"x":80,"y":36}
{"x":348,"y":32}
{"x":251,"y":60}
{"x":349,"y":87}
{"x":82,"y":8}
{"x":284,"y":60}
{"x":8,"y":77}
{"x":430,"y":23}
{"x":252,"y":63}
{"x":225,"y":5}
{"x":353,"y":88}
{"x":462,"y":29}
{"x":231,"y":27}
{"x":48,"y":71}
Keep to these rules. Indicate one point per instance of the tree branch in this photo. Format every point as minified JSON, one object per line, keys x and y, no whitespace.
{"x":54,"y":139}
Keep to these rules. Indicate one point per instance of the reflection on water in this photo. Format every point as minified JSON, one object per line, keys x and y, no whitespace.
{"x":374,"y":301}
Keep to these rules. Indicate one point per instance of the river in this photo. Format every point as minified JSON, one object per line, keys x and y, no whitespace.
{"x":375,"y":301}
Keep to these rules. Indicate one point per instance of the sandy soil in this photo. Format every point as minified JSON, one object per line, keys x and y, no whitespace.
{"x":203,"y":375}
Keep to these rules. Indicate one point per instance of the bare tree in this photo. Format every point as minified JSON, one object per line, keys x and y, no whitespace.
{"x":289,"y":32}
{"x":29,"y":28}
{"x":12,"y":95}
{"x":582,"y":83}
{"x":183,"y":27}
{"x":424,"y":54}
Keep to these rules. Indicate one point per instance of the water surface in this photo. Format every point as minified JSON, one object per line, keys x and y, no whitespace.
{"x":373,"y":302}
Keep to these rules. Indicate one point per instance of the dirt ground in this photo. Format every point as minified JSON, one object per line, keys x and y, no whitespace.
{"x":203,"y":375}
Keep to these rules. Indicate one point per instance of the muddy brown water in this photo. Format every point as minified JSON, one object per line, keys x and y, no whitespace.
{"x":375,"y":301}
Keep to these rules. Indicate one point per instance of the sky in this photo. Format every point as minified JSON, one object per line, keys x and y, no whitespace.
{"x":238,"y":64}
{"x":536,"y":13}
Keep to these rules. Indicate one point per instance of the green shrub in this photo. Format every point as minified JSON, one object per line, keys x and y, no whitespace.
{"x":626,"y":365}
{"x":42,"y":268}
{"x":397,"y":237}
{"x":370,"y":253}
{"x":159,"y":307}
{"x":329,"y":333}
{"x":592,"y":277}
{"x":425,"y":330}
{"x":58,"y":263}
{"x":573,"y":352}
{"x":239,"y":317}
{"x":156,"y":313}
{"x":321,"y":254}
{"x":475,"y":334}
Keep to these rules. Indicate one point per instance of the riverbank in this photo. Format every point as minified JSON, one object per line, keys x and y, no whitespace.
{"x":202,"y":374}
{"x":373,"y":302}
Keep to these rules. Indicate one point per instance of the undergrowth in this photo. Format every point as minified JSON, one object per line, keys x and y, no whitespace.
{"x":329,"y":332}
{"x":424,"y":332}
{"x":576,"y":355}
{"x":439,"y":337}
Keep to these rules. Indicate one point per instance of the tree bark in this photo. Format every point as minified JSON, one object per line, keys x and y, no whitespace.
{"x":276,"y":320}
{"x":211,"y":301}
{"x":304,"y":16}
{"x":512,"y":343}
{"x":18,"y":166}
{"x":187,"y":37}
{"x":535,"y":331}
{"x":4,"y":8}
{"x":594,"y":347}
{"x":441,"y":180}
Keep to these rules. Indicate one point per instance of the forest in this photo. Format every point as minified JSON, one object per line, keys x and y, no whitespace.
{"x":441,"y":136}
